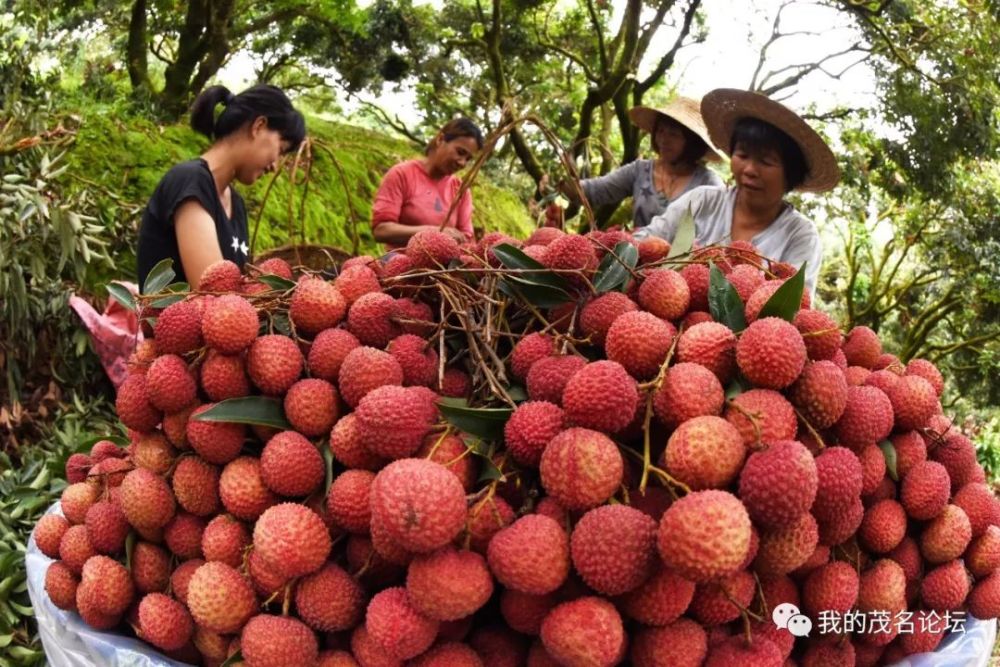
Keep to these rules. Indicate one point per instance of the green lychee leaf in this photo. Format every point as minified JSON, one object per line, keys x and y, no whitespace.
{"x":724,"y":301}
{"x":889,"y":452}
{"x":533,"y":271}
{"x":684,"y":237}
{"x":234,"y":659}
{"x":615,"y":269}
{"x":491,"y":472}
{"x":277,"y":282}
{"x":517,"y":393}
{"x":485,"y":423}
{"x":121,"y":294}
{"x":159,"y":277}
{"x":540,"y":296}
{"x":327,"y":455}
{"x":787,"y":299}
{"x":258,"y":410}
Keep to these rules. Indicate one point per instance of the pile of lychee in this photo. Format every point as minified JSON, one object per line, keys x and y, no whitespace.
{"x":664,"y":485}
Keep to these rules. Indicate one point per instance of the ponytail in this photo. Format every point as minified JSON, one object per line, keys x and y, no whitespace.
{"x":238,"y":110}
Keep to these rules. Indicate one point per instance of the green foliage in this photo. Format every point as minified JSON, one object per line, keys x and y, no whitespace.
{"x":987,"y":439}
{"x":28,"y":485}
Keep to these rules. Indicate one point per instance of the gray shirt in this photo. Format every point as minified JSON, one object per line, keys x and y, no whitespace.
{"x":635,"y":179}
{"x":791,"y":238}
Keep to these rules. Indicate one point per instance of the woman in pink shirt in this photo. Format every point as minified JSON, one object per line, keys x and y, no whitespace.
{"x":417,"y":194}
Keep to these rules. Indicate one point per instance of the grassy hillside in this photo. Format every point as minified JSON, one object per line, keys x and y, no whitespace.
{"x":123,"y":159}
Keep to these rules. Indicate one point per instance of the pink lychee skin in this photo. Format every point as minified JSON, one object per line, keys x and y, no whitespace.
{"x":292,"y":539}
{"x":587,"y":630}
{"x":705,"y":535}
{"x":771,"y":353}
{"x":581,"y":468}
{"x":531,"y":555}
{"x":397,"y":627}
{"x":420,"y":504}
{"x":601,"y":396}
{"x":614,"y":548}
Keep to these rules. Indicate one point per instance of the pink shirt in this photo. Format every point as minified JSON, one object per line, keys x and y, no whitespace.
{"x":409,"y":196}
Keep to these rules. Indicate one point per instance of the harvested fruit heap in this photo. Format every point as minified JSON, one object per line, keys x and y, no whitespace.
{"x":576,"y":450}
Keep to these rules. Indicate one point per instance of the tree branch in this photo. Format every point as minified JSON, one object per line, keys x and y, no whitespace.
{"x":395,"y":123}
{"x":602,"y":52}
{"x":667,"y":61}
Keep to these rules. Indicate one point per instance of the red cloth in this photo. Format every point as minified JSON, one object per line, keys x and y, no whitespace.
{"x":409,"y":196}
{"x":114,"y":333}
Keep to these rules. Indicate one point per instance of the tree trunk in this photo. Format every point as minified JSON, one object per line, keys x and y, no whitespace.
{"x":202,"y":47}
{"x":135,"y":55}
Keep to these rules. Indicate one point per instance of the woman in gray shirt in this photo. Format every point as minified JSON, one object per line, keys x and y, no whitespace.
{"x":682,"y":146}
{"x":773,"y":151}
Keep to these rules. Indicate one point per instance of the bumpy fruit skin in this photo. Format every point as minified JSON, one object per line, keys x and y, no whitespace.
{"x":530,"y":428}
{"x":111,"y":587}
{"x":688,"y":390}
{"x":274,"y":363}
{"x":75,"y":548}
{"x":736,"y":651}
{"x":48,"y":533}
{"x":927,"y":371}
{"x":984,"y":600}
{"x":771,"y":353}
{"x":883,"y":527}
{"x":946,"y":536}
{"x":601,"y":396}
{"x":983,"y":555}
{"x":945,"y":587}
{"x":146,"y":499}
{"x":820,"y":393}
{"x":328,"y":351}
{"x":448,"y":584}
{"x":365,"y":369}
{"x":833,"y":586}
{"x":665,"y":294}
{"x":421,"y":504}
{"x":957,"y":454}
{"x":449,"y":654}
{"x":867,"y":417}
{"x":925,"y":490}
{"x":329,"y":600}
{"x":219,"y":598}
{"x":762,"y":295}
{"x":705,"y":453}
{"x":762,"y":416}
{"x":291,"y":466}
{"x":862,"y":347}
{"x":680,"y":644}
{"x":778,"y":484}
{"x":525,"y":613}
{"x":60,"y":585}
{"x":355,"y":281}
{"x":913,"y":401}
{"x":980,"y":505}
{"x":216,"y":442}
{"x":531,"y":555}
{"x":221,"y":276}
{"x":581,"y":468}
{"x":348,"y":447}
{"x":839,"y":474}
{"x":417,"y":358}
{"x":278,"y":641}
{"x":597,"y":316}
{"x":614,"y":548}
{"x":196,"y":486}
{"x":348,"y":501}
{"x":486,"y":518}
{"x":178,"y":328}
{"x":292,"y":539}
{"x":394,"y":420}
{"x":107,"y":527}
{"x":242,"y":489}
{"x":169,"y":384}
{"x":224,"y":376}
{"x":548,"y":376}
{"x":819,"y":332}
{"x":639,"y":341}
{"x":528,"y":350}
{"x":76,"y":499}
{"x":133,"y":406}
{"x":586,"y":631}
{"x":712,"y":345}
{"x":661,"y":600}
{"x":432,"y":249}
{"x":370,"y":319}
{"x":713,"y":603}
{"x":785,"y":549}
{"x":570,"y":251}
{"x":225,"y":539}
{"x":229,"y":324}
{"x":704,"y":535}
{"x":164,"y":622}
{"x":397,"y":627}
{"x":316,"y":305}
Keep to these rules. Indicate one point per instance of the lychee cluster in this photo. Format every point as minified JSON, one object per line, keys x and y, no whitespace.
{"x":620,"y":479}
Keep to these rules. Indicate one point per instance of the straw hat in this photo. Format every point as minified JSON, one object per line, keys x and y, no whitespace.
{"x":685,"y":111}
{"x":724,"y":107}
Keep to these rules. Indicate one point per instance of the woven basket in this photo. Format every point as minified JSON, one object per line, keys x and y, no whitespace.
{"x":312,"y":256}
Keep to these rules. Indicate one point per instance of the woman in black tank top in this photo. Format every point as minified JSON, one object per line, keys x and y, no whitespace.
{"x":195,"y":217}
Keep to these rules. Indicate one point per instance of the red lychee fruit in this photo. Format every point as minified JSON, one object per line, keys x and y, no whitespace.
{"x":230,"y":324}
{"x":704,"y":535}
{"x":531,"y":555}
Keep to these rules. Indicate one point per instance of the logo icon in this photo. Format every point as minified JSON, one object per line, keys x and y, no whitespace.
{"x":788,"y":617}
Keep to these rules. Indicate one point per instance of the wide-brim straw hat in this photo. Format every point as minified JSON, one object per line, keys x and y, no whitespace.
{"x":685,"y":111}
{"x":722,"y":108}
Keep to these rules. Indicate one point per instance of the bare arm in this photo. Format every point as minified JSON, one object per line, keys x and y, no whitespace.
{"x":393,"y":233}
{"x":196,"y":240}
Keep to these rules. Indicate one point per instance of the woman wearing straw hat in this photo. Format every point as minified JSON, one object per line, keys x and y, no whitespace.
{"x":682,"y":147}
{"x":772,"y":152}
